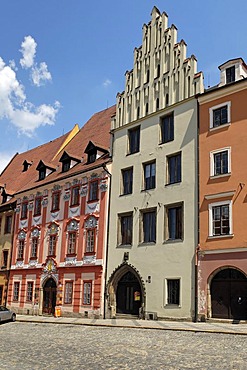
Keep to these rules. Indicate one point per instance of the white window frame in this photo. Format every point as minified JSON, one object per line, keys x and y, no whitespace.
{"x":210,"y":224}
{"x":166,"y":304}
{"x":212,"y":153}
{"x":211,"y":117}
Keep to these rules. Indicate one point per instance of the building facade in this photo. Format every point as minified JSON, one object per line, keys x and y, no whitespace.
{"x":222,"y":251}
{"x":58,"y":256}
{"x":153,"y":208}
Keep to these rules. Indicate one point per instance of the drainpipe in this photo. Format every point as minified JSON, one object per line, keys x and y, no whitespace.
{"x":108,"y":229}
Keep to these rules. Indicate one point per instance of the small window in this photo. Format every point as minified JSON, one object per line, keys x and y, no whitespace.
{"x":93,"y":190}
{"x":167,"y":128}
{"x":174,"y":168}
{"x":90,"y":242}
{"x":220,"y":162}
{"x":149,"y":226}
{"x":37,"y":206}
{"x":52,"y":245}
{"x":173,"y":291}
{"x":87,"y":293}
{"x":75,"y":196}
{"x":5,"y":259}
{"x":127,"y":181}
{"x":16,"y":291}
{"x":55,"y":201}
{"x":158,"y":71}
{"x":149,"y":175}
{"x":68,"y":292}
{"x":8,"y":224}
{"x":174,"y":216}
{"x":20,"y":250}
{"x":220,"y":115}
{"x":34,"y":248}
{"x":29,"y":291}
{"x":24,"y":209}
{"x":220,"y":219}
{"x":66,"y":165}
{"x":71,"y":243}
{"x":92,"y":154}
{"x":230,"y":74}
{"x":126,"y":229}
{"x":42,"y":173}
{"x":134,"y":140}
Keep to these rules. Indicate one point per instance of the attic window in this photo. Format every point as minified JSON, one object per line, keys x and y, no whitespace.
{"x":230,"y":74}
{"x":66,"y":165}
{"x":68,"y":161}
{"x":42,"y":173}
{"x":26,"y":165}
{"x":92,"y":156}
{"x":44,"y":169}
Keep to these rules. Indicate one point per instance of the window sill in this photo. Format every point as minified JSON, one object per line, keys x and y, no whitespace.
{"x":124,"y":246}
{"x":71,"y":255}
{"x":224,"y":125}
{"x":173,"y":183}
{"x":93,"y":200}
{"x":122,"y":195}
{"x":172,"y":305}
{"x":90,"y":253}
{"x":173,"y":241}
{"x":166,"y":142}
{"x":228,"y":236}
{"x":143,"y":244}
{"x":220,"y":176}
{"x":146,"y":190}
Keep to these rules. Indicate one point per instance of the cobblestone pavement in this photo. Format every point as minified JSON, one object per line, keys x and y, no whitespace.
{"x":44,"y":346}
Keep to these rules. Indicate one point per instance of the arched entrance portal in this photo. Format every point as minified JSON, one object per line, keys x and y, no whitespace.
{"x":229,"y":295}
{"x":49,"y":296}
{"x":128,"y":295}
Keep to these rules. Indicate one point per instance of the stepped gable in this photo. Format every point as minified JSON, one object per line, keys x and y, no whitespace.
{"x":96,"y":129}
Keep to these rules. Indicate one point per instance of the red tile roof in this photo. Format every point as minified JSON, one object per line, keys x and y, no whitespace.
{"x":96,"y":129}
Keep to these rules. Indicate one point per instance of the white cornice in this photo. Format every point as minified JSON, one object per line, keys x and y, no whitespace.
{"x":221,"y":251}
{"x":223,"y":91}
{"x":220,"y":195}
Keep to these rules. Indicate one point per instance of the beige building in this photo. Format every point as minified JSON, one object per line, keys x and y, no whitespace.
{"x":153,"y":210}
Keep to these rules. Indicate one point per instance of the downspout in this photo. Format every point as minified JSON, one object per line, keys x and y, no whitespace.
{"x":108,"y":227}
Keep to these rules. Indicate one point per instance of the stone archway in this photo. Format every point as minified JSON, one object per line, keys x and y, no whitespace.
{"x":228,"y":293}
{"x":126,"y":292}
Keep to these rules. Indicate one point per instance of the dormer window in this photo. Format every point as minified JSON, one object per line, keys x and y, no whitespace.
{"x":230,"y":74}
{"x":68,"y":161}
{"x":26,"y":165}
{"x":44,"y":169}
{"x":42,"y":173}
{"x":94,"y":152}
{"x":92,"y":156}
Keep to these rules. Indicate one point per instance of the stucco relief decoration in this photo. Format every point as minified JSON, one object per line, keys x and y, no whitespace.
{"x":53,"y":230}
{"x":54,"y":215}
{"x":89,"y":259}
{"x":70,"y":261}
{"x":33,"y":263}
{"x":44,"y":202}
{"x":75,"y":182}
{"x":56,"y":188}
{"x":103,"y":186}
{"x":22,"y":235}
{"x":94,"y":175}
{"x":37,"y":220}
{"x":23,"y":223}
{"x":83,"y":191}
{"x":35,"y":233}
{"x":73,"y":225}
{"x":74,"y":212}
{"x":19,"y":264}
{"x":66,"y":196}
{"x":91,"y":222}
{"x":49,"y":269}
{"x":92,"y":207}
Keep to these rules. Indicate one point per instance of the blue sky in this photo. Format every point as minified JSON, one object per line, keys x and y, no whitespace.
{"x":63,"y":60}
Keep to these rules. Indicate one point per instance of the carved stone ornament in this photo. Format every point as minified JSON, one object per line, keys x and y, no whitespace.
{"x":94,"y":175}
{"x":70,"y":261}
{"x":19,"y":264}
{"x":83,"y":190}
{"x":50,"y":267}
{"x":75,"y":181}
{"x":33,"y":263}
{"x":53,"y":229}
{"x":91,"y":223}
{"x":73,"y":225}
{"x":103,"y":186}
{"x":66,"y":196}
{"x":56,"y":188}
{"x":22,"y":235}
{"x":35,"y":233}
{"x":44,"y":202}
{"x":89,"y":259}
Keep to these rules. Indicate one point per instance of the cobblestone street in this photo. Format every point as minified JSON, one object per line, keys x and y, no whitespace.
{"x":53,"y":346}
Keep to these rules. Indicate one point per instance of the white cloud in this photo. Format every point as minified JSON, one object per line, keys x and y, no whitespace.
{"x":107,"y":82}
{"x":28,"y":50}
{"x":40,"y":74}
{"x":15,"y":107}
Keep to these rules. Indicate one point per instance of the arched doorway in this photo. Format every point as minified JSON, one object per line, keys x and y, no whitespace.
{"x":128,"y":295}
{"x":49,"y":296}
{"x":229,"y":295}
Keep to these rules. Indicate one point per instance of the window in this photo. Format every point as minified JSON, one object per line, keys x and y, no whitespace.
{"x":220,"y":115}
{"x":52,"y":245}
{"x":37,"y":206}
{"x":29,"y":291}
{"x":20,"y":250}
{"x":87,"y":293}
{"x":16,"y":290}
{"x":90,"y":242}
{"x":66,"y":165}
{"x":42,"y":173}
{"x":55,"y":201}
{"x":220,"y":218}
{"x":93,"y":190}
{"x":68,"y":292}
{"x":8,"y":224}
{"x":149,"y":226}
{"x":149,"y":176}
{"x":24,"y":210}
{"x":134,"y":140}
{"x":174,"y":168}
{"x":34,"y":247}
{"x":174,"y":222}
{"x":173,"y":291}
{"x":230,"y":74}
{"x":220,"y":162}
{"x":92,"y":155}
{"x":167,"y":128}
{"x":75,"y":196}
{"x":127,"y":179}
{"x":126,"y":229}
{"x":71,"y":243}
{"x":5,"y":258}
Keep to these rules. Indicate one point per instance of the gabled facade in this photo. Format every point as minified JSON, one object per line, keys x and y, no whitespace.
{"x":59,"y":238}
{"x":153,"y":209}
{"x":222,"y":249}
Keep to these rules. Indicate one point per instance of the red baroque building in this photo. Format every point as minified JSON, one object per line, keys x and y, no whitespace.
{"x":62,"y":191}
